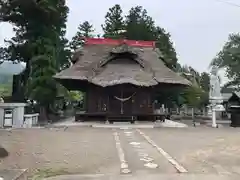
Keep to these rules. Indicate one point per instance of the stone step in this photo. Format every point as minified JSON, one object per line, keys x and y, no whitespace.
{"x":123,"y":126}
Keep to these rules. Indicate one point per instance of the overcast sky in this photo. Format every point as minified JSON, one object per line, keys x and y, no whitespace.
{"x":198,"y":28}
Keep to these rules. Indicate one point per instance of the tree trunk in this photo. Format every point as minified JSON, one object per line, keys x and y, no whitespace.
{"x":17,"y":93}
{"x":43,"y":117}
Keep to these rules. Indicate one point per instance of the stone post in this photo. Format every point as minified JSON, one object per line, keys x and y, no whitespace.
{"x":18,"y":117}
{"x":1,"y":117}
{"x":214,"y":123}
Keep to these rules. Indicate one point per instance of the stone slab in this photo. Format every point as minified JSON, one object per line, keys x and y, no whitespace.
{"x":169,"y":123}
{"x":123,"y":126}
{"x":11,"y":174}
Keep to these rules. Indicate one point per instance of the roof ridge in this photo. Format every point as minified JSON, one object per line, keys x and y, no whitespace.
{"x":94,"y":57}
{"x":95,"y":67}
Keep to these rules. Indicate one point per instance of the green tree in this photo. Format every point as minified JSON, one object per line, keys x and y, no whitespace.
{"x":84,"y":30}
{"x":3,"y":54}
{"x":205,"y":81}
{"x":139,"y":26}
{"x":114,"y":22}
{"x":40,"y":28}
{"x":229,"y":58}
{"x":165,"y":45}
{"x":194,"y":96}
{"x":41,"y":86}
{"x":197,"y":94}
{"x":18,"y":48}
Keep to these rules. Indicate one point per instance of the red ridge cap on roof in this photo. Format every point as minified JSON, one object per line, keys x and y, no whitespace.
{"x":106,"y":41}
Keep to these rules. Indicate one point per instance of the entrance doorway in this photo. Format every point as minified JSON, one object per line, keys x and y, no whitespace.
{"x":121,"y":102}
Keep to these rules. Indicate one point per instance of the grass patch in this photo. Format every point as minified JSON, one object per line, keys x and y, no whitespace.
{"x":45,"y":173}
{"x":5,"y":90}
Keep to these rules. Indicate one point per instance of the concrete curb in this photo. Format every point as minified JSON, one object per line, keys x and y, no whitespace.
{"x":176,"y":176}
{"x":112,"y":126}
{"x":161,"y":126}
{"x":168,"y":124}
{"x":64,"y":126}
{"x":140,"y":126}
{"x":76,"y":177}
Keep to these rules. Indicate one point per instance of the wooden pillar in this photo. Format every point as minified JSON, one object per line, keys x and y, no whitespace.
{"x":86,"y":99}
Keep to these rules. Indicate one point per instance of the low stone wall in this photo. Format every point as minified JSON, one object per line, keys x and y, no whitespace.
{"x":182,"y":117}
{"x":30,"y":120}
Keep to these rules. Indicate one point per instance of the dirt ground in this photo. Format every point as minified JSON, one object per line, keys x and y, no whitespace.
{"x":75,"y":150}
{"x":202,"y":150}
{"x":86,"y":150}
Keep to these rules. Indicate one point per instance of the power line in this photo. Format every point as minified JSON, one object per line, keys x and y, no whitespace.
{"x":229,"y":3}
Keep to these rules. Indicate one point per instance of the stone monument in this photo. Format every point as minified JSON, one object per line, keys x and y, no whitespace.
{"x":215,"y":96}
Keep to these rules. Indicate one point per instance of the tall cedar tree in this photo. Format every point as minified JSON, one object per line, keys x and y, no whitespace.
{"x":39,"y":40}
{"x":139,"y":26}
{"x":165,"y":45}
{"x":84,"y":30}
{"x":114,"y":23}
{"x":205,"y":81}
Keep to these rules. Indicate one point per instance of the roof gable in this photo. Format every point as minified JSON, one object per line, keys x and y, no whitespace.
{"x":120,"y":56}
{"x":94,"y":57}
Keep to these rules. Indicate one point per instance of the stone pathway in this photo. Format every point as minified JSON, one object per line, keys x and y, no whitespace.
{"x":139,"y":155}
{"x":168,"y":123}
{"x":11,"y":174}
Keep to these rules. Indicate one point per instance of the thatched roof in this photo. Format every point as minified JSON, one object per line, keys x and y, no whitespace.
{"x":108,"y":65}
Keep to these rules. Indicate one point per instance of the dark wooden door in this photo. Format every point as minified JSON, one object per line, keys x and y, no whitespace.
{"x":114,"y":104}
{"x":143,"y":103}
{"x":127,"y":104}
{"x":120,"y":102}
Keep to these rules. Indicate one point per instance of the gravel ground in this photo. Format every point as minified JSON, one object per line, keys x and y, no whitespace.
{"x":201,"y":150}
{"x":75,"y":150}
{"x":86,"y":150}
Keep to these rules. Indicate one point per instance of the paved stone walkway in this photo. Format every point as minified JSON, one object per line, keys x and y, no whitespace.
{"x":69,"y":122}
{"x":11,"y":174}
